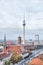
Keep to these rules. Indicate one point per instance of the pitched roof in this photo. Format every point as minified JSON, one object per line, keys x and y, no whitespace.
{"x":36,"y":61}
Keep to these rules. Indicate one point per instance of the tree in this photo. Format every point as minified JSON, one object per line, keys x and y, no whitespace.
{"x":30,"y":53}
{"x":15,"y":58}
{"x":7,"y":63}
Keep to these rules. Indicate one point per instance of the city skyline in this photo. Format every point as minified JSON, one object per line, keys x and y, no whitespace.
{"x":12,"y":34}
{"x":12,"y":14}
{"x":21,"y":32}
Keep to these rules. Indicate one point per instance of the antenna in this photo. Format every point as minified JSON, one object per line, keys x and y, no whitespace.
{"x":24,"y":14}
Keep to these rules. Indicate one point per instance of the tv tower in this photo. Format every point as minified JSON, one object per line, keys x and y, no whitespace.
{"x":4,"y":42}
{"x":24,"y":24}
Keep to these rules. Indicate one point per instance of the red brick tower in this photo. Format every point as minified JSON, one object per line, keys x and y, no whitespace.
{"x":19,"y":40}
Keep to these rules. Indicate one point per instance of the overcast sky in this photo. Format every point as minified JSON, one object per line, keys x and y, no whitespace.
{"x":12,"y":13}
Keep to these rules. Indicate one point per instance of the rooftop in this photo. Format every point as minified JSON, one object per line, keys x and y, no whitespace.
{"x":37,"y":61}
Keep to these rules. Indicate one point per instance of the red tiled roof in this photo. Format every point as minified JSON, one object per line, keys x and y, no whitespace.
{"x":14,"y":48}
{"x":36,"y":61}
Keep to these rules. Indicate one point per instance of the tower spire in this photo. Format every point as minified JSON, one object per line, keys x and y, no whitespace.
{"x":4,"y":38}
{"x":4,"y":42}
